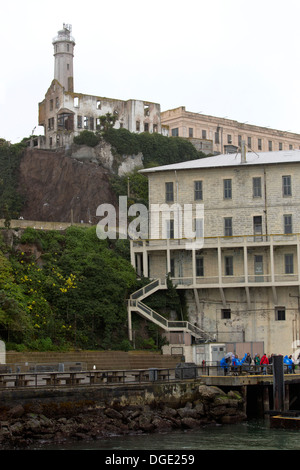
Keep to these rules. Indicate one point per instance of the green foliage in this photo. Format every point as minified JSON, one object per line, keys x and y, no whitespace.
{"x":134,"y":183}
{"x":156,"y":148}
{"x":74,"y":295}
{"x":107,"y":121}
{"x":87,"y":138}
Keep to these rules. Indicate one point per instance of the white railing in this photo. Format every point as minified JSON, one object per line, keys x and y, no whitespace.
{"x":167,"y":325}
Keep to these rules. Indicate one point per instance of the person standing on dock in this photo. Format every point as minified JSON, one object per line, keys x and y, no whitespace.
{"x":264,"y":362}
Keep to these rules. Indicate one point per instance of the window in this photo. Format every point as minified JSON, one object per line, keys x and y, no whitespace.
{"x":137,"y":126}
{"x":86,"y":122}
{"x":57,"y":102}
{"x":257,"y":228}
{"x":51,"y":105}
{"x":91,"y":123}
{"x":259,"y":144}
{"x":146,"y":126}
{"x":239,"y":140}
{"x":175,"y":132}
{"x":270,"y":146}
{"x":98,"y":104}
{"x":290,"y":147}
{"x":229,"y":139}
{"x":203,"y":134}
{"x":288,"y":223}
{"x":170,"y":228}
{"x":289,"y":263}
{"x":287,"y":185}
{"x":79,"y":122}
{"x":256,"y":184}
{"x":76,"y":102}
{"x":198,"y":194}
{"x":51,"y":123}
{"x":199,"y":266}
{"x":217,"y":138}
{"x":228,"y":265}
{"x":190,"y":132}
{"x":279,"y":313}
{"x":169,"y":192}
{"x":227,"y":189}
{"x":199,"y":228}
{"x":172,"y":267}
{"x":280,"y":145}
{"x":228,"y":226}
{"x":226,"y":313}
{"x":249,"y":142}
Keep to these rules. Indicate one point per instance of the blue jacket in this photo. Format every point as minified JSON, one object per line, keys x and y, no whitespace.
{"x":223,"y":363}
{"x":238,"y":362}
{"x":288,"y":361}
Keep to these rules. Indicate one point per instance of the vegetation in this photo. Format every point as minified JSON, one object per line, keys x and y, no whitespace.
{"x":72,"y":293}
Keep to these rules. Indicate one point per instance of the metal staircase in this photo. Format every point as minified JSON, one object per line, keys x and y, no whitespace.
{"x":135,"y":305}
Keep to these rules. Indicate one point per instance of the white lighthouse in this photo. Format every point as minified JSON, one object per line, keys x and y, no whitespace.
{"x":64,"y":45}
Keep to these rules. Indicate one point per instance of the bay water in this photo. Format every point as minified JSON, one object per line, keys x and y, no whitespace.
{"x":255,"y":434}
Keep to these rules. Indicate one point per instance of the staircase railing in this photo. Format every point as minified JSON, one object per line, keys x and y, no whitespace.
{"x":168,"y":325}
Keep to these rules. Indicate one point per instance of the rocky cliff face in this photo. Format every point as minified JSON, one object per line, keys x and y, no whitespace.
{"x":58,"y":187}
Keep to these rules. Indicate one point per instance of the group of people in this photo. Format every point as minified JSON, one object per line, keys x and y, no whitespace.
{"x":232,"y":361}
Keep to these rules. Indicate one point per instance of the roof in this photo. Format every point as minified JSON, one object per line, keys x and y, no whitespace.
{"x":232,"y":160}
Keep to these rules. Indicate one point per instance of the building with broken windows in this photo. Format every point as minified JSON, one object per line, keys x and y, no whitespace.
{"x":64,"y":113}
{"x":238,"y":260}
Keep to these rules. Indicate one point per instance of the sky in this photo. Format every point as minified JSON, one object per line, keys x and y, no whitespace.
{"x":228,"y":58}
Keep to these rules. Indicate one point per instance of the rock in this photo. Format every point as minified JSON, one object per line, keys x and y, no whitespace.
{"x":190,"y":423}
{"x":52,"y":182}
{"x":16,"y":412}
{"x":162,"y":424}
{"x":187,"y":413}
{"x":199,"y":407}
{"x":209,"y":393}
{"x":114,"y":414}
{"x":169,"y":412}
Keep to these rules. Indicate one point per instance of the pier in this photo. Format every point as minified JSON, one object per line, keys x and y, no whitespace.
{"x":274,"y":393}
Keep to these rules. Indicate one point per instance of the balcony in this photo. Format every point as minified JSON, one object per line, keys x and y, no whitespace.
{"x":270,"y":247}
{"x":214,"y":242}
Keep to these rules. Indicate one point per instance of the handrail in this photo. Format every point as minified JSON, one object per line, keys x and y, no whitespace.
{"x":168,"y":324}
{"x":127,"y":376}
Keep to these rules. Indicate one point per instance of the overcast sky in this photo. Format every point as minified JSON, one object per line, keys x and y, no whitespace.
{"x":228,"y":58}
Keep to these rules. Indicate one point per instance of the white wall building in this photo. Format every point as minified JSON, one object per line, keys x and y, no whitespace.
{"x":242,"y":284}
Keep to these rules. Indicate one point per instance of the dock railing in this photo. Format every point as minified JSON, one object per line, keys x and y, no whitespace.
{"x":12,"y":375}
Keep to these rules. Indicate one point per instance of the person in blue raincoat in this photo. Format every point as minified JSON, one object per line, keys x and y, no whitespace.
{"x":225,"y":363}
{"x":289,"y":362}
{"x":237,"y":362}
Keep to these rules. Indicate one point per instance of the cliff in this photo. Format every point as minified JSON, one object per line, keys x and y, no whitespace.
{"x":56,"y":185}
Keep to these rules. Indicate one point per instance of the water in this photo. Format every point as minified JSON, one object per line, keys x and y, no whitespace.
{"x":250,"y":435}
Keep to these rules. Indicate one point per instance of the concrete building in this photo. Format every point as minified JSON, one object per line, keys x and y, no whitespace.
{"x":242,"y":279}
{"x":64,"y":113}
{"x":226,"y":135}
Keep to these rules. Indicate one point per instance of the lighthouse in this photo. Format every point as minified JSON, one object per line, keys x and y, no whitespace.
{"x":64,"y":45}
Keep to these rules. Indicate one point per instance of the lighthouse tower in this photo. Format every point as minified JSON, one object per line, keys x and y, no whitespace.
{"x":64,"y":45}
